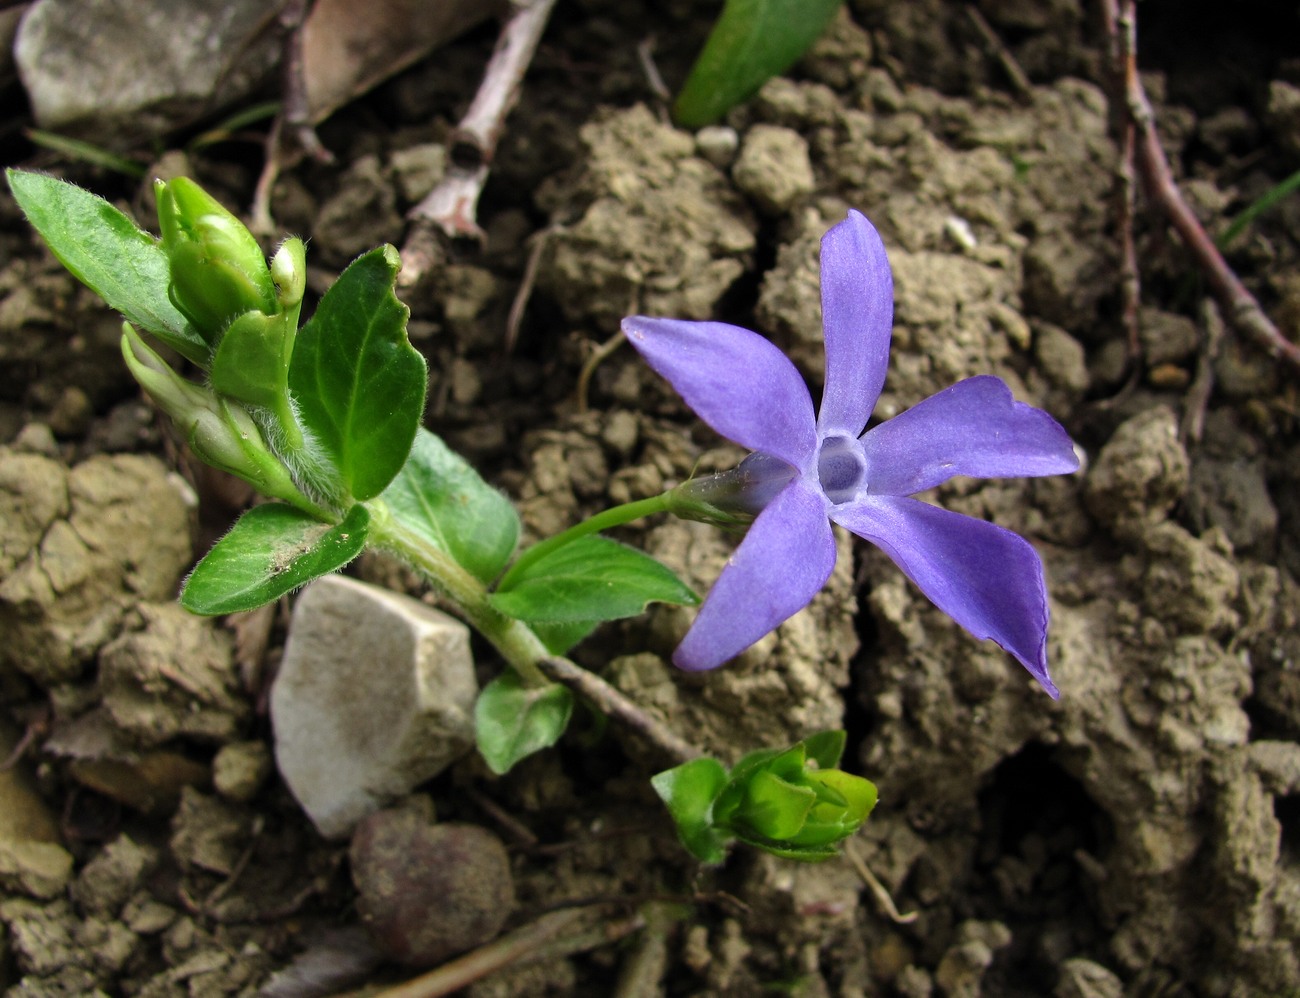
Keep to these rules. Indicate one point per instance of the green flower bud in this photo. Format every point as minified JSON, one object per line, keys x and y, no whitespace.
{"x":792,"y":803}
{"x":219,"y":432}
{"x":218,"y":271}
{"x":787,"y":804}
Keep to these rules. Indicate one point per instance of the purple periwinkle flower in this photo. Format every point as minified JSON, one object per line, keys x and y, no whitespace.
{"x":809,"y":471}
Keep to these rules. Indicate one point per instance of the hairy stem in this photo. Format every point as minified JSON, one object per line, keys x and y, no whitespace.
{"x":516,"y":642}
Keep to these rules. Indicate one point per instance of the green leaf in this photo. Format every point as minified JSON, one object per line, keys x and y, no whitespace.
{"x":689,"y":791}
{"x":108,"y":253}
{"x":559,"y":638}
{"x":272,"y":550}
{"x":358,"y":382}
{"x":590,"y":579}
{"x":826,"y":748}
{"x":441,"y":497}
{"x":752,"y":41}
{"x":512,"y":720}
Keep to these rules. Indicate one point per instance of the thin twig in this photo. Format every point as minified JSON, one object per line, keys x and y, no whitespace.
{"x":451,"y":206}
{"x":475,"y":965}
{"x":877,"y":888}
{"x":516,"y":317}
{"x":614,"y":704}
{"x":521,"y":833}
{"x":293,"y":133}
{"x":597,"y":358}
{"x":531,"y":944}
{"x":1198,"y":395}
{"x":995,"y":47}
{"x":645,"y":54}
{"x":1239,"y":305}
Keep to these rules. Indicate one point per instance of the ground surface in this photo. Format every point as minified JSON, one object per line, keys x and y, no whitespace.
{"x":1140,"y":836}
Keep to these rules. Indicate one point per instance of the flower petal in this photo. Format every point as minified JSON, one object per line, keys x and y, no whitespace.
{"x":983,"y":576}
{"x":785,"y":558}
{"x":739,"y":383}
{"x":857,"y":314}
{"x":973,"y":428}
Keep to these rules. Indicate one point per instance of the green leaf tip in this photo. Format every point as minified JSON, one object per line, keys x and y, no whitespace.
{"x":752,"y":41}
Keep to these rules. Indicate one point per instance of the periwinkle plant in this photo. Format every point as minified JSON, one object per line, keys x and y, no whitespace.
{"x":324,"y":418}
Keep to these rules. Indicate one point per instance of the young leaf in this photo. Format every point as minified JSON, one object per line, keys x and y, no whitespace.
{"x":826,"y":747}
{"x":358,"y":381}
{"x":590,"y":579}
{"x":752,"y":41}
{"x":108,"y":253}
{"x":442,"y":498}
{"x":512,"y":720}
{"x":689,"y":791}
{"x":272,"y":550}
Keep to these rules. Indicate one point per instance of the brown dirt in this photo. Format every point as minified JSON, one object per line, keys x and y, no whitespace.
{"x":1141,"y":836}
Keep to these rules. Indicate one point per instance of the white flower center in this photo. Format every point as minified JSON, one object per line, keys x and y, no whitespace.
{"x":841,"y":468}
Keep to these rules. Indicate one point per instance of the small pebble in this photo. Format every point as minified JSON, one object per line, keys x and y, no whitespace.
{"x":717,"y":144}
{"x":429,"y":891}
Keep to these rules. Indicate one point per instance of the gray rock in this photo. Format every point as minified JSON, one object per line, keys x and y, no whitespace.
{"x":375,"y":695}
{"x":113,"y":73}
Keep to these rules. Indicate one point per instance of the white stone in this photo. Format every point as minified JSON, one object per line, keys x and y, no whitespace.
{"x":375,"y":695}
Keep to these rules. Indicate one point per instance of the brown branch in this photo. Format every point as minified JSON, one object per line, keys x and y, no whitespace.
{"x":452,"y":205}
{"x":995,"y":47}
{"x":1239,"y":305}
{"x":293,"y":133}
{"x":614,"y":704}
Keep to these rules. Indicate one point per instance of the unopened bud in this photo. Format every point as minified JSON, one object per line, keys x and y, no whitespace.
{"x":218,"y":271}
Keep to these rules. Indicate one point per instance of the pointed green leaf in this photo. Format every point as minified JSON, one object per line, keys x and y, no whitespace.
{"x":590,"y":579}
{"x":826,"y":747}
{"x":108,"y":253}
{"x":513,"y":720}
{"x":358,"y":382}
{"x":441,"y":497}
{"x":752,"y":41}
{"x":689,"y":791}
{"x":272,"y":550}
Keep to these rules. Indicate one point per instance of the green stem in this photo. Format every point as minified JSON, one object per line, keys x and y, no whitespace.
{"x":514,"y":639}
{"x":613,"y":517}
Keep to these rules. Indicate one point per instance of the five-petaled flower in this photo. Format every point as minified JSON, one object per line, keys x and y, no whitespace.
{"x":809,"y":471}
